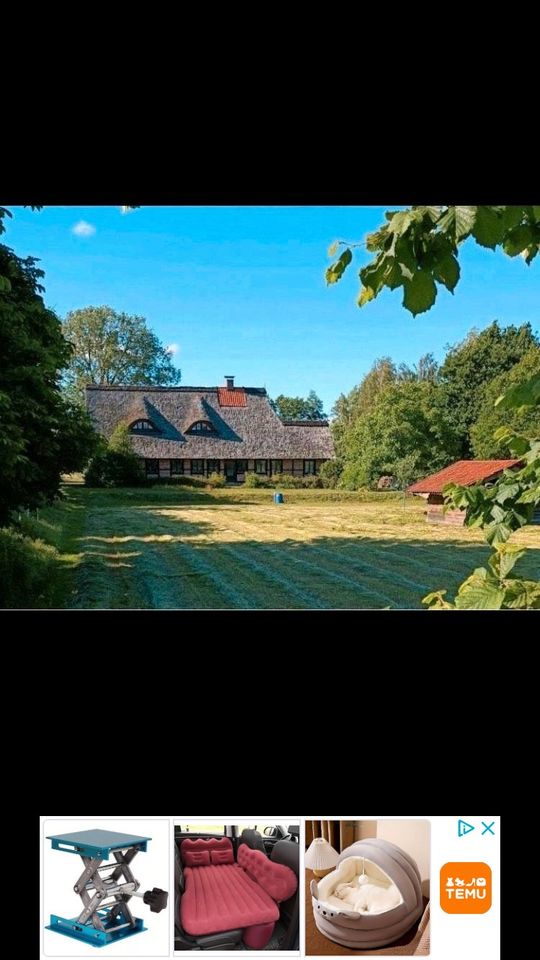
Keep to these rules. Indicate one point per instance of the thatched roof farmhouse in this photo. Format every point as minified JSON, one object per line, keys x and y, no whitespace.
{"x":199,"y":430}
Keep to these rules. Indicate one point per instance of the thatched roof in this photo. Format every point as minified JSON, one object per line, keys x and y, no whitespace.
{"x":249,"y":431}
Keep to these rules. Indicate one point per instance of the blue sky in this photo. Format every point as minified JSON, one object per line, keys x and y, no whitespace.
{"x":241,"y":290}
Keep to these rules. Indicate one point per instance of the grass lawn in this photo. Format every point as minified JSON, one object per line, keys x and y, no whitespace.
{"x":170,"y":547}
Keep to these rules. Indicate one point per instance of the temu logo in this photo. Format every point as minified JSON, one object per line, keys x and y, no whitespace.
{"x":466,"y":887}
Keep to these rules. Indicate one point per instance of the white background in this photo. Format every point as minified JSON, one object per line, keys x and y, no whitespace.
{"x":60,"y":871}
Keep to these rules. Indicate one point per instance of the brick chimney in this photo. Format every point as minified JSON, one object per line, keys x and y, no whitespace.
{"x":230,"y":382}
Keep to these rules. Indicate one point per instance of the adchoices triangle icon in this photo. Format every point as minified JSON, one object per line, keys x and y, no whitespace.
{"x":463,"y":827}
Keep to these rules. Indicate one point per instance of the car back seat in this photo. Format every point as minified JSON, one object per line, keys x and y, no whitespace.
{"x":223,"y":895}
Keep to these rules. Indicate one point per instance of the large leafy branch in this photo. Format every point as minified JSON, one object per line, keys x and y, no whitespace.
{"x":418,"y":248}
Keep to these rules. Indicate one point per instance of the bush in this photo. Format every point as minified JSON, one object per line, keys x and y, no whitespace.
{"x":311,"y":481}
{"x":217,"y":479}
{"x":179,"y":481}
{"x":330,"y":473}
{"x":252,"y":480}
{"x":115,"y":468}
{"x":27,"y":571}
{"x":285,"y":481}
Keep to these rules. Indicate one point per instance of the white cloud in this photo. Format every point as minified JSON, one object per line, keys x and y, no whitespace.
{"x":124,"y":210}
{"x":173,"y":348}
{"x":83,"y":229}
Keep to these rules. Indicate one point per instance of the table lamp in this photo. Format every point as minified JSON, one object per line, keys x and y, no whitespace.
{"x":321,"y":857}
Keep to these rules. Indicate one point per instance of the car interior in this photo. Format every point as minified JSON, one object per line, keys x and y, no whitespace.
{"x":236,"y":887}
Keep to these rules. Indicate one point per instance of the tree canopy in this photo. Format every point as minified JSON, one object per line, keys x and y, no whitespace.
{"x":470,"y":367}
{"x":299,"y":408}
{"x":41,"y":435}
{"x":114,"y":348}
{"x":524,"y":420}
{"x":406,"y":434}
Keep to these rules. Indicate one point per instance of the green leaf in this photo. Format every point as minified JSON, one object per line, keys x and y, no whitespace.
{"x":436,"y":601}
{"x":366,"y":295}
{"x":507,"y":492}
{"x":530,"y":253}
{"x":530,"y":496}
{"x":488,"y":228}
{"x":525,"y":394}
{"x":5,"y":285}
{"x":336,"y":271}
{"x":375,"y":241}
{"x":420,"y":292}
{"x":333,"y":248}
{"x":479,"y":593}
{"x":464,"y":221}
{"x":512,"y":216}
{"x":496,"y":533}
{"x":517,"y":240}
{"x":536,"y":212}
{"x":393,"y":276}
{"x":522,"y":594}
{"x":401,"y":221}
{"x":447,"y":271}
{"x":509,"y":555}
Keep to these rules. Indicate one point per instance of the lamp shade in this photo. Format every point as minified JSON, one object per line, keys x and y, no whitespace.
{"x":321,"y":855}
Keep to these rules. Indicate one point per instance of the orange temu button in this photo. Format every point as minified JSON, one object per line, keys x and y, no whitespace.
{"x":466,"y":887}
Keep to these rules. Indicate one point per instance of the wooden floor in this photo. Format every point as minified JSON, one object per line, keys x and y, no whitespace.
{"x":317,"y":944}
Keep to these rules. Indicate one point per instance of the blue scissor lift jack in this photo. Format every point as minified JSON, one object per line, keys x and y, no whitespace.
{"x":105,"y":916}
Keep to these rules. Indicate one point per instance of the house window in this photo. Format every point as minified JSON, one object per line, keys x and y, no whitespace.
{"x":309,"y":467}
{"x":197,"y":466}
{"x":212,"y":466}
{"x":241,"y":466}
{"x":261,"y":466}
{"x":152,"y":468}
{"x":201,"y":426}
{"x":277,"y":466}
{"x":177,"y":467}
{"x":142,"y":426}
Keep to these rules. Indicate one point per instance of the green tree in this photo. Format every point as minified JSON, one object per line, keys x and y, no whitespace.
{"x":427,"y":368}
{"x":299,"y":408}
{"x":349,"y":407}
{"x":470,"y":366}
{"x":114,"y":348}
{"x":115,"y":464}
{"x":406,"y":434}
{"x":41,"y":436}
{"x":525,"y":421}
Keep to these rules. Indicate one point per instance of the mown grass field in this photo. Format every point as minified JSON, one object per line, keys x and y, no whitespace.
{"x":189,"y":549}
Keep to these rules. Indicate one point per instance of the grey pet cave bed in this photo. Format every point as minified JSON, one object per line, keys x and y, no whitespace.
{"x":372,"y":897}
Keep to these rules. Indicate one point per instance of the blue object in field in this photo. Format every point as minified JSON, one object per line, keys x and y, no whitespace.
{"x":278,"y":498}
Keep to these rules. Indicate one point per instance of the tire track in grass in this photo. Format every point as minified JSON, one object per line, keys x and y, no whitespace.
{"x":423,"y":564}
{"x":372,"y":592}
{"x":198,"y":564}
{"x":352,"y":585}
{"x":283,"y":556}
{"x":278,"y":579}
{"x":376,"y":572}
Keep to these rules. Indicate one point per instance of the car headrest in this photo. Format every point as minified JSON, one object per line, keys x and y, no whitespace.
{"x":294,"y":830}
{"x":288,"y":853}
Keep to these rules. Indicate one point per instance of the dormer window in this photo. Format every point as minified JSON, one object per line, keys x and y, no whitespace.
{"x":201,"y":426}
{"x":142,"y":426}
